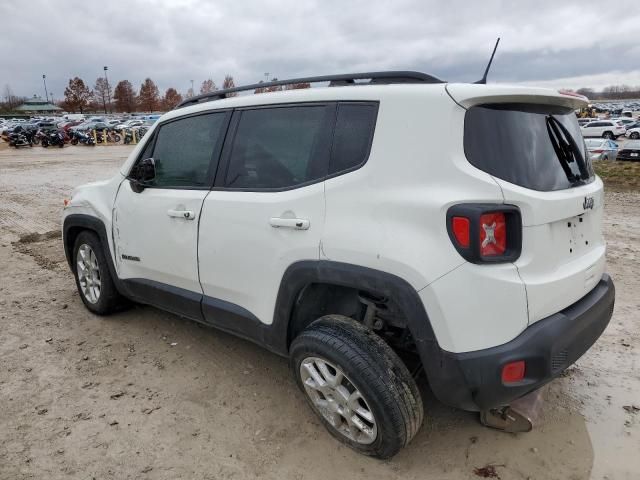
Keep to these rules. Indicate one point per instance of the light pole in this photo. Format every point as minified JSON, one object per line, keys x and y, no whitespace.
{"x":46,"y":94}
{"x":193,"y":93}
{"x":108,"y":93}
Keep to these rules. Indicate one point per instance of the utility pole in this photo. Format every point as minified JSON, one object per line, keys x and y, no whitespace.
{"x":108,"y":93}
{"x":193,"y":92}
{"x":46,"y":94}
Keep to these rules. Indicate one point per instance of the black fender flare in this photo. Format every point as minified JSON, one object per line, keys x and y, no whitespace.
{"x":83,"y":221}
{"x":445,"y":377}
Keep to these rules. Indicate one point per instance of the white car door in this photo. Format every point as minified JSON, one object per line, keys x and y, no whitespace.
{"x":266,"y":210}
{"x":155,"y":229}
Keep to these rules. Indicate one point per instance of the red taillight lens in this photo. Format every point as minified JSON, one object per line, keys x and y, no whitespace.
{"x":461,"y":230}
{"x":513,"y":372}
{"x":493,"y":234}
{"x":597,"y":151}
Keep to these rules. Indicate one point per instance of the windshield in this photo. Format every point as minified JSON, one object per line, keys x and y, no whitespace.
{"x":535,"y":146}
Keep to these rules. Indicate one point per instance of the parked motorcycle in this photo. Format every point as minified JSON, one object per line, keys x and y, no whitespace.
{"x":111,"y":136}
{"x":20,"y":138}
{"x":53,"y":138}
{"x":81,"y":137}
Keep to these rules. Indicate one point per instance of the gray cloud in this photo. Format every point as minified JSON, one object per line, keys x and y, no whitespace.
{"x":173,"y":42}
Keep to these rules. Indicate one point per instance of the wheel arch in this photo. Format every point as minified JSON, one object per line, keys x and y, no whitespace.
{"x":306,"y":279}
{"x":443,"y":376}
{"x":76,"y":223}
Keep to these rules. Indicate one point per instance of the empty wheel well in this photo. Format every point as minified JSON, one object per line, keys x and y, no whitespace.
{"x":379,"y":313}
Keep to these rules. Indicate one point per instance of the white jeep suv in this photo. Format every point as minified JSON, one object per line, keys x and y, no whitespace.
{"x":369,"y":231}
{"x":610,"y":129}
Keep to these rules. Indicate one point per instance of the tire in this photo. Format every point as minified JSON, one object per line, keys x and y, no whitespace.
{"x":116,"y":138}
{"x":634,"y":135}
{"x":101,"y":299}
{"x":74,"y":141}
{"x":605,"y":158}
{"x":371,"y":371}
{"x":608,"y":135}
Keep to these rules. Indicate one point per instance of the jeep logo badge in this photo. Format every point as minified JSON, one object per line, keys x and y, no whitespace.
{"x":588,"y":203}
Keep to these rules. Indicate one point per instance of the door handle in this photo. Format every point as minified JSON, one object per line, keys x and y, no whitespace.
{"x":295,"y":223}
{"x":184,"y":214}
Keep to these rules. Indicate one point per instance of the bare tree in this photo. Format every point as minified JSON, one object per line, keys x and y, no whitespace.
{"x":208,"y":86}
{"x":11,"y":101}
{"x":229,"y":83}
{"x":102,"y":92}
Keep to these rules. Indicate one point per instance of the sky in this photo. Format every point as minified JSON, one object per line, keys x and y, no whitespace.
{"x":559,"y":44}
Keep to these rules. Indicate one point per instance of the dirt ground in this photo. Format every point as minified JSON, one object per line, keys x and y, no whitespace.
{"x":146,"y":394}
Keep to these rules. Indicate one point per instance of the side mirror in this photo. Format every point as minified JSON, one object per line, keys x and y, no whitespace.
{"x":142,"y":174}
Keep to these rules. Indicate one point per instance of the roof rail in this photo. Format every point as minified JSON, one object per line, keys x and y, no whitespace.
{"x":378,"y":78}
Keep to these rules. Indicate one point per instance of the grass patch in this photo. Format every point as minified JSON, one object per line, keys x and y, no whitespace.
{"x":620,"y":176}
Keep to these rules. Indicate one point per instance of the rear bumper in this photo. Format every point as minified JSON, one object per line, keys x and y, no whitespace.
{"x":472,"y":380}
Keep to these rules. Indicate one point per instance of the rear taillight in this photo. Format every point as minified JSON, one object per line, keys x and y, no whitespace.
{"x":597,"y":151}
{"x":493,"y":234}
{"x":485,"y":233}
{"x":460,"y":227}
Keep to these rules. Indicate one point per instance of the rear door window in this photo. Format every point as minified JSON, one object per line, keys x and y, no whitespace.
{"x":513,"y":142}
{"x":279,"y":147}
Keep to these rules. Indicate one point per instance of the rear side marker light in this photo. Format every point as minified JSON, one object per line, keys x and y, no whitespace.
{"x":493,"y":234}
{"x":513,"y":372}
{"x":461,"y":227}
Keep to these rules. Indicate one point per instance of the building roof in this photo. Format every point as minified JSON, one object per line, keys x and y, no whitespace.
{"x":37,"y":104}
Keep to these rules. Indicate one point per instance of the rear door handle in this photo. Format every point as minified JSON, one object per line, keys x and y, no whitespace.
{"x":184,"y":214}
{"x":295,"y":223}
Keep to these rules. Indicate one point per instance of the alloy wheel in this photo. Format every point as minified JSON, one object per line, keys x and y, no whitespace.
{"x":337,"y":399}
{"x":88,"y":273}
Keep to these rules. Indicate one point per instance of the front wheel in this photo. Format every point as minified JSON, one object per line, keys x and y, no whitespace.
{"x":635,"y":135}
{"x":93,"y":278}
{"x":357,"y":385}
{"x":608,"y":135}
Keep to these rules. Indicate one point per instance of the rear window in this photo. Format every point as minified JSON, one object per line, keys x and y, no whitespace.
{"x":513,"y":142}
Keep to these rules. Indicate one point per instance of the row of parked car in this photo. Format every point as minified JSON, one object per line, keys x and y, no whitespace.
{"x":93,"y":123}
{"x":605,"y":149}
{"x":610,"y":128}
{"x":60,"y":131}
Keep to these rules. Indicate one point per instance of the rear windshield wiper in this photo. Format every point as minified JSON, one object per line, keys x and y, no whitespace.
{"x":566,"y":149}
